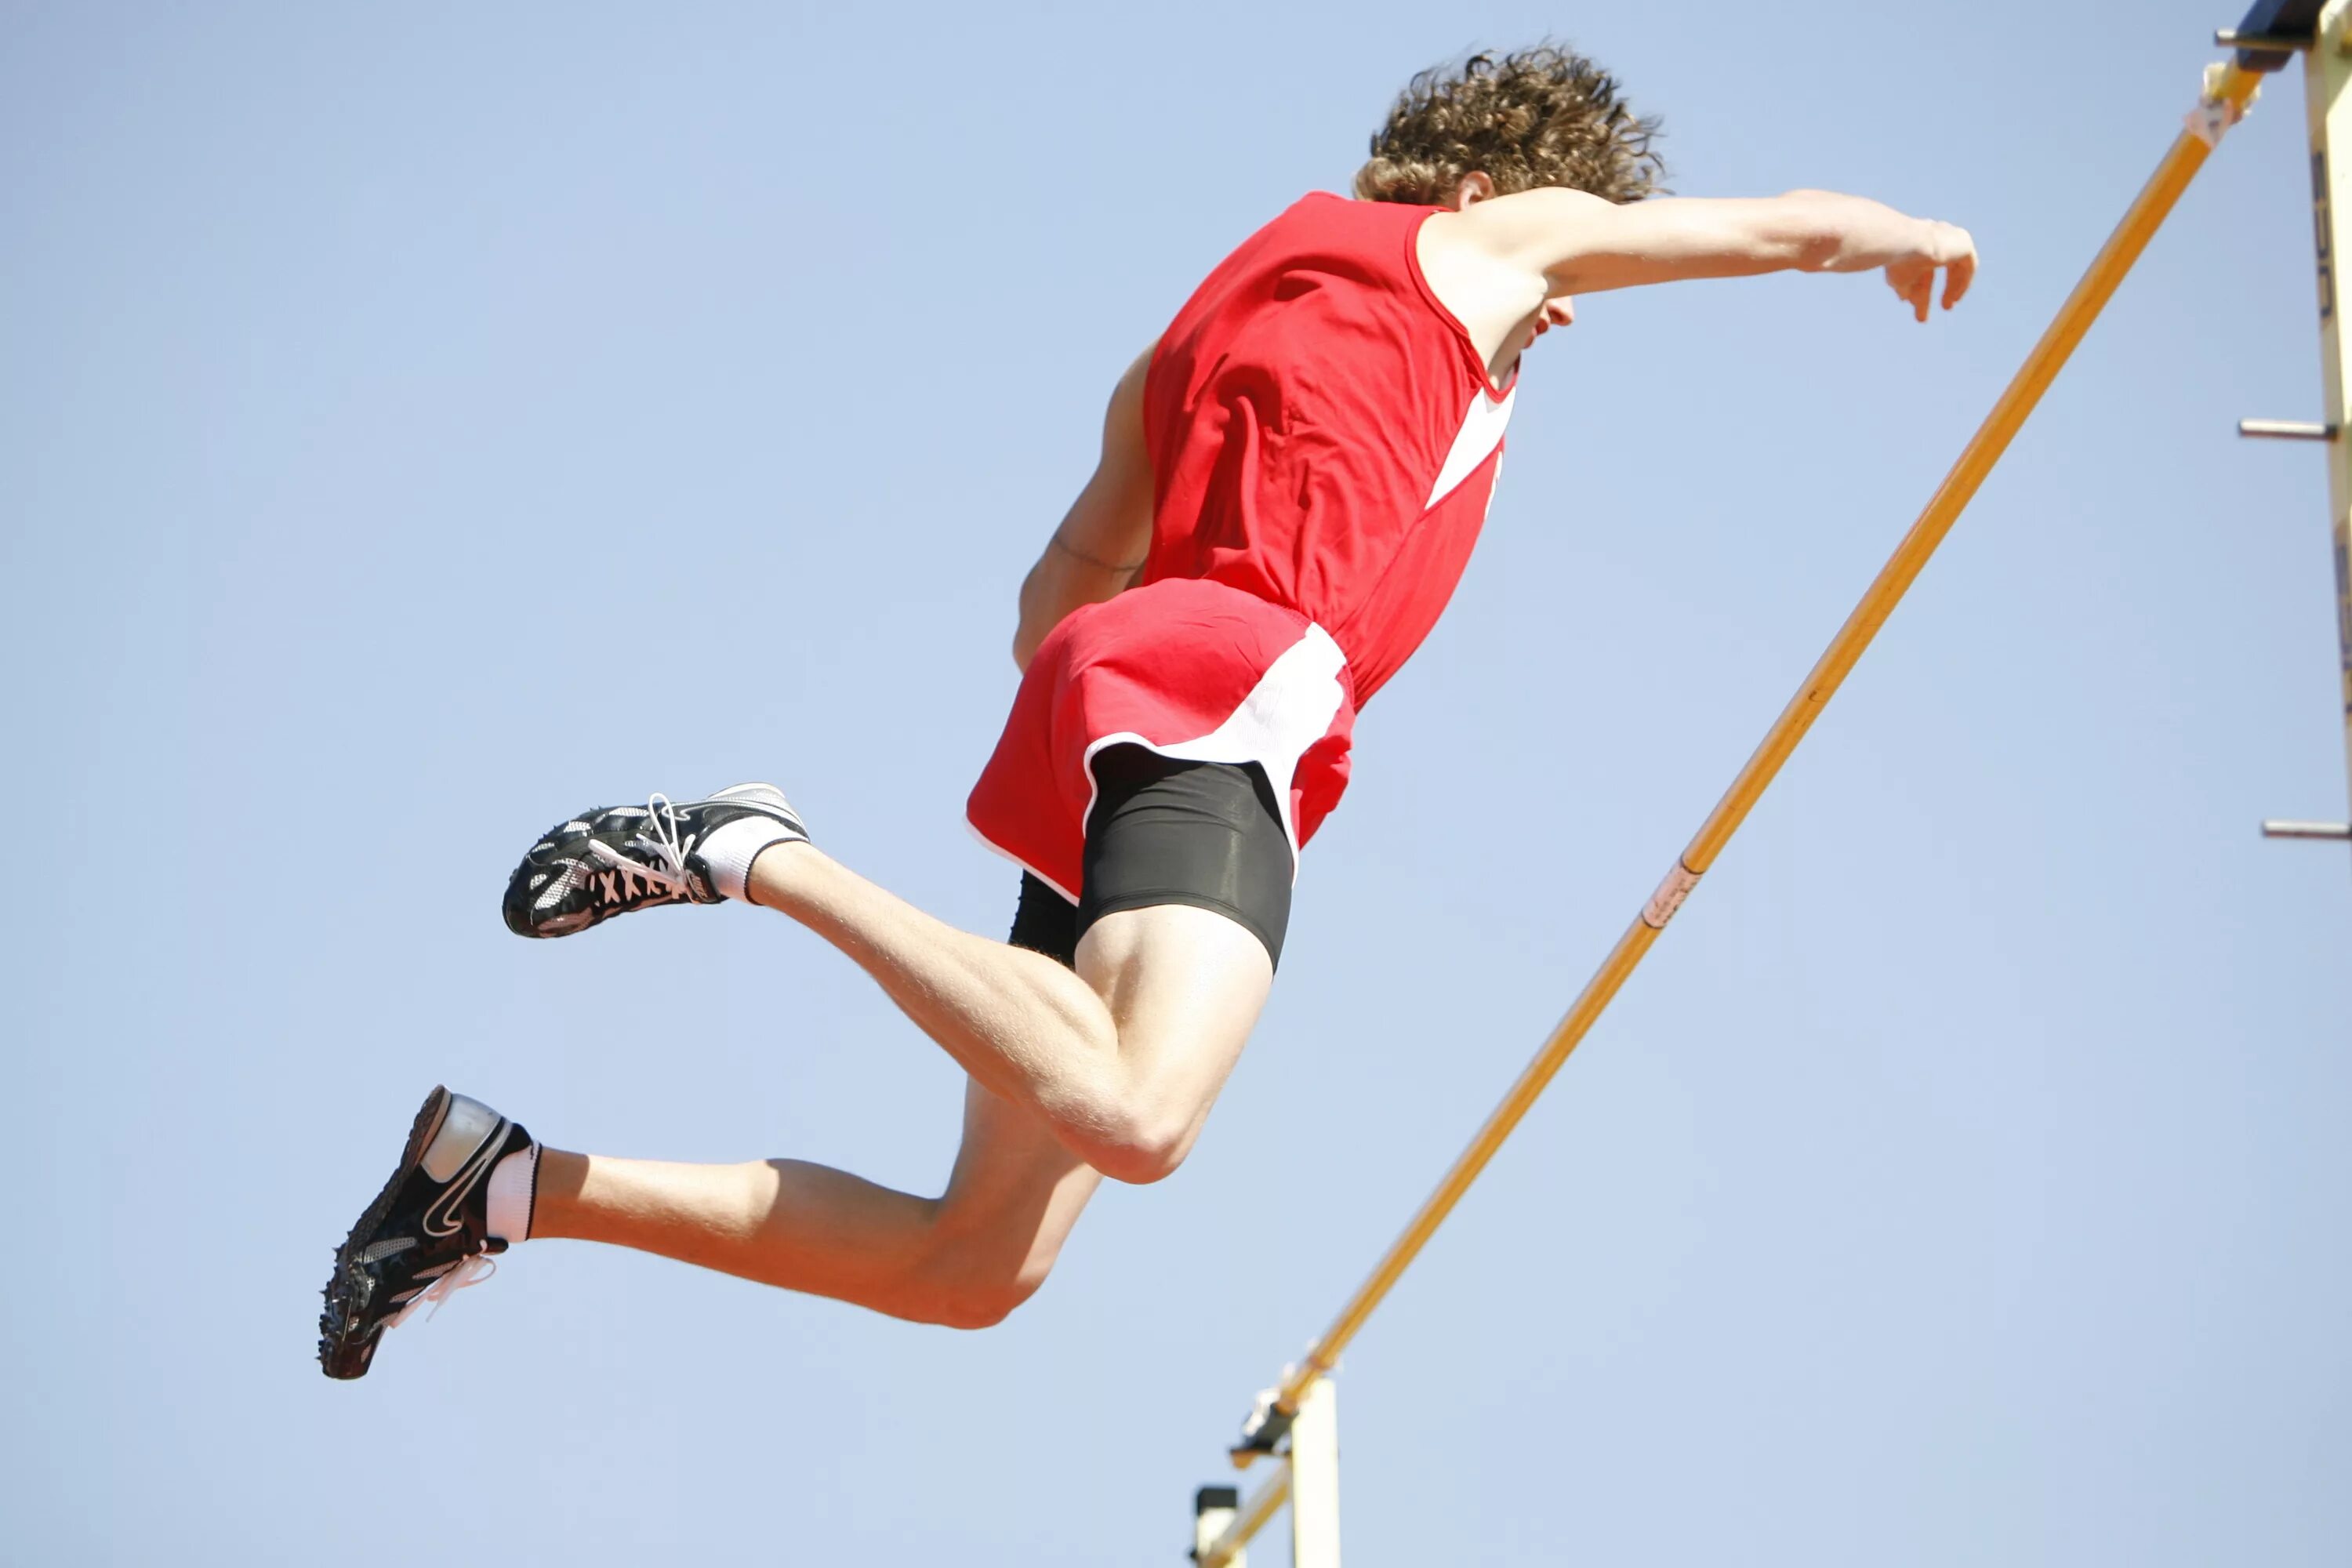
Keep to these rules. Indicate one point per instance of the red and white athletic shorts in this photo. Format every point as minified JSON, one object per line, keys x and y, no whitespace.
{"x":1187,"y":668}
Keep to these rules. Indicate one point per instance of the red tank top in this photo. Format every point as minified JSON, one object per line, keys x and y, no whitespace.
{"x":1323,"y":433}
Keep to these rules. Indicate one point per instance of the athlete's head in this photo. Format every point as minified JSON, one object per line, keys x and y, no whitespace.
{"x":1505,"y":123}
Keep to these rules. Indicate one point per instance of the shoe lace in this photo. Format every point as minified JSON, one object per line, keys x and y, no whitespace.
{"x":661,"y":840}
{"x":448,"y":1279}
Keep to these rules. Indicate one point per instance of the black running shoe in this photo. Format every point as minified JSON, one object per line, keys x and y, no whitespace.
{"x":607,"y":862}
{"x":425,"y":1237}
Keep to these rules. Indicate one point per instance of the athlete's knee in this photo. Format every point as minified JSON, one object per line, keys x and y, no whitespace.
{"x":1185,"y":985}
{"x":973,"y":1277}
{"x":978,"y":1303}
{"x":1140,"y":1145}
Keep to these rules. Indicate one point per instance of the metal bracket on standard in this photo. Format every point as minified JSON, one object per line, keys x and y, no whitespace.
{"x":2262,"y":44}
{"x":1212,"y":1514}
{"x":1267,"y":1425}
{"x":2339,"y":832}
{"x":2271,"y":32}
{"x":2286,"y":430}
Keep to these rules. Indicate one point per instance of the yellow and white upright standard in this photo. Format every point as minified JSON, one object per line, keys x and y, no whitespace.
{"x":2273,"y":34}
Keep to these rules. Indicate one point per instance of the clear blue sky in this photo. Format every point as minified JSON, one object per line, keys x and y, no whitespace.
{"x":417,"y":424}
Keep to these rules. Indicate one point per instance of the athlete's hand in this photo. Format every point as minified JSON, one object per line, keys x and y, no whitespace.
{"x":1912,"y":276}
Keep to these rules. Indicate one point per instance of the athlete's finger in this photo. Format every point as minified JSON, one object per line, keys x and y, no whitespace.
{"x":1963,"y":272}
{"x":1921,"y":294}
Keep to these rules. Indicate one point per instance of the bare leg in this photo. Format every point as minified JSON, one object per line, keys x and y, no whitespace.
{"x":965,"y":1258}
{"x":1121,"y":1059}
{"x":1176,"y":989}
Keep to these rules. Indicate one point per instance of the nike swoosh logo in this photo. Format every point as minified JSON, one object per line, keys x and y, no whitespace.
{"x":446,"y":1218}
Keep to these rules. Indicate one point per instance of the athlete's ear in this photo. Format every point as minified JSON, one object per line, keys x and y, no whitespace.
{"x":1474,"y":187}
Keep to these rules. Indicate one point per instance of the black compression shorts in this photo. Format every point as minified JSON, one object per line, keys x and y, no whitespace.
{"x":1167,"y":831}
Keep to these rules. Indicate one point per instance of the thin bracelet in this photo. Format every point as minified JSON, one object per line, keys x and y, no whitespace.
{"x":1062,"y":545}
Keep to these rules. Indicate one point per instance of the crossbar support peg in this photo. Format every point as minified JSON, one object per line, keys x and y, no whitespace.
{"x":2341,"y":832}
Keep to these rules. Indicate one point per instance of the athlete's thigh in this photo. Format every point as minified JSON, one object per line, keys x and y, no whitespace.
{"x":1015,"y":1191}
{"x":1184,"y":987}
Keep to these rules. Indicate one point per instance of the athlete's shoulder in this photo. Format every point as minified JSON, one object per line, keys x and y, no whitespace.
{"x":1327,"y":211}
{"x":1322,"y":225}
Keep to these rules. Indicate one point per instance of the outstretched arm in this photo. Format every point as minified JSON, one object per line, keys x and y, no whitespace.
{"x":1098,"y":549}
{"x":1566,"y":242}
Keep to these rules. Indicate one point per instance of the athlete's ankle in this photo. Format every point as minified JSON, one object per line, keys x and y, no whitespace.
{"x":514,"y":1194}
{"x":734,"y":849}
{"x":777,"y":872}
{"x":555,"y":1206}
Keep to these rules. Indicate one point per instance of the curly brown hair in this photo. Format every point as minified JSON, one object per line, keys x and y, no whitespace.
{"x":1540,"y":116}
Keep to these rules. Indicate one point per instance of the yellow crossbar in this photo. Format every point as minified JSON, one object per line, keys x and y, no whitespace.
{"x":2229,"y":90}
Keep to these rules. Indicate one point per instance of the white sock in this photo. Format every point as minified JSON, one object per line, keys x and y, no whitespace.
{"x":731,"y":848}
{"x":514,"y":1188}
